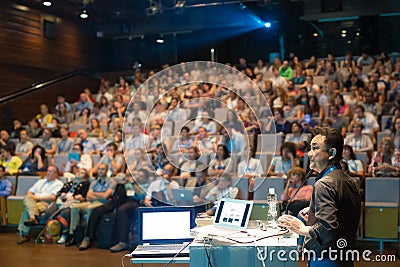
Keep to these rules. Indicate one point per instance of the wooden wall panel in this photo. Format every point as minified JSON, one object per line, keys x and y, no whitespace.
{"x":27,"y":57}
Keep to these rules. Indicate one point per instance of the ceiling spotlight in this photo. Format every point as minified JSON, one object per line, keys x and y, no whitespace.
{"x":160,"y":40}
{"x":344,"y":31}
{"x":47,"y":3}
{"x":343,"y":35}
{"x":84,"y":14}
{"x":267,"y":24}
{"x":315,"y":34}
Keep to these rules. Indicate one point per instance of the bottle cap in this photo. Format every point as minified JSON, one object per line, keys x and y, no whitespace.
{"x":271,"y":190}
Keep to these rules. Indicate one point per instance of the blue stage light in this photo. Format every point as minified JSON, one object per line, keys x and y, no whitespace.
{"x":267,"y":24}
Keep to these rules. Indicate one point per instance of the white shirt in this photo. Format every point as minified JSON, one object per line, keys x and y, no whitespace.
{"x":44,"y":187}
{"x":159,"y":185}
{"x":254,"y":167}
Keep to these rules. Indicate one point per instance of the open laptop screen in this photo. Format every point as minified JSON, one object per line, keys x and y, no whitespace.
{"x":165,"y":225}
{"x":233,"y":213}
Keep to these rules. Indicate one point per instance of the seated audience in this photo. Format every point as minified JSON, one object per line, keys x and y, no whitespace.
{"x":44,"y":116}
{"x":90,"y":144}
{"x":73,"y":192}
{"x":113,"y":159}
{"x":296,"y":195}
{"x":34,"y":130}
{"x":9,"y":160}
{"x":385,"y":162}
{"x":84,"y":162}
{"x":200,"y":186}
{"x":5,"y":184}
{"x":95,"y":129}
{"x":184,"y":142}
{"x":66,"y":143}
{"x":359,"y":141}
{"x":160,"y":158}
{"x":6,"y":141}
{"x":36,"y":201}
{"x":136,"y":188}
{"x":159,"y":192}
{"x":48,"y":143}
{"x":250,"y":167}
{"x":221,"y":163}
{"x":223,"y":189}
{"x":100,"y":192}
{"x":281,"y":165}
{"x":355,"y":166}
{"x":36,"y":162}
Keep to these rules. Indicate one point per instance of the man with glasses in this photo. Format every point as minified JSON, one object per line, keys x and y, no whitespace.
{"x":159,"y":191}
{"x":36,"y":201}
{"x":83,"y":161}
{"x":114,"y":161}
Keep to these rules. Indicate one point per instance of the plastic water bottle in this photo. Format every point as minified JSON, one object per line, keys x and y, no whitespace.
{"x":272,"y":207}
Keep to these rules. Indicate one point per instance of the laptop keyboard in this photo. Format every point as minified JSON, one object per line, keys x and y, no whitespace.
{"x":161,"y":247}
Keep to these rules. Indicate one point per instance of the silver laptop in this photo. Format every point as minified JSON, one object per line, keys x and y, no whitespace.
{"x":164,"y":232}
{"x":182,"y":195}
{"x":231,"y":216}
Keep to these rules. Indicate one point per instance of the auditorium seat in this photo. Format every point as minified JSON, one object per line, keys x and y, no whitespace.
{"x":381,"y":211}
{"x":14,"y":203}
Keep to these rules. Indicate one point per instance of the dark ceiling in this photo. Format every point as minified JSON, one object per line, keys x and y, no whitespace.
{"x":119,"y":19}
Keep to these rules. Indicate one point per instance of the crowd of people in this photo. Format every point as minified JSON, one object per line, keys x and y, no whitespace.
{"x":159,"y":131}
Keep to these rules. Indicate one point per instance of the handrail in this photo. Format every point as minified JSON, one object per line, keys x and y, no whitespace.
{"x":39,"y":86}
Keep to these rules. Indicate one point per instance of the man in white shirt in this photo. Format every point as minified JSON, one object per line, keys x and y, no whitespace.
{"x":36,"y":201}
{"x":137,"y":140}
{"x":161,"y":187}
{"x":277,"y":80}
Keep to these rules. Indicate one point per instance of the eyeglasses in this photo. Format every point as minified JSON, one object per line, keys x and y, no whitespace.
{"x":101,"y":169}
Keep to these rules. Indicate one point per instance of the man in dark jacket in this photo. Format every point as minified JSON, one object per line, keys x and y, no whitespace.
{"x":334,"y":212}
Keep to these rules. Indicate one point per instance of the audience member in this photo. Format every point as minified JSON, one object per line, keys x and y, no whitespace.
{"x":359,"y":141}
{"x":24,"y":147}
{"x":36,"y":201}
{"x":48,"y":143}
{"x":83,"y":161}
{"x":223,"y":189}
{"x":296,"y":194}
{"x":66,"y":143}
{"x":100,"y":192}
{"x":5,"y":184}
{"x":281,"y":165}
{"x":113,"y":159}
{"x":90,"y":144}
{"x":16,"y":129}
{"x":159,"y":192}
{"x":6,"y":141}
{"x":184,"y":142}
{"x":44,"y":116}
{"x":73,"y":192}
{"x":355,"y":167}
{"x":36,"y":162}
{"x":385,"y":162}
{"x":250,"y":167}
{"x":9,"y":160}
{"x":34,"y":130}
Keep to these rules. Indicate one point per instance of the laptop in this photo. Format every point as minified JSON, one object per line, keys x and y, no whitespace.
{"x":164,"y":232}
{"x":182,"y":195}
{"x":231,"y":216}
